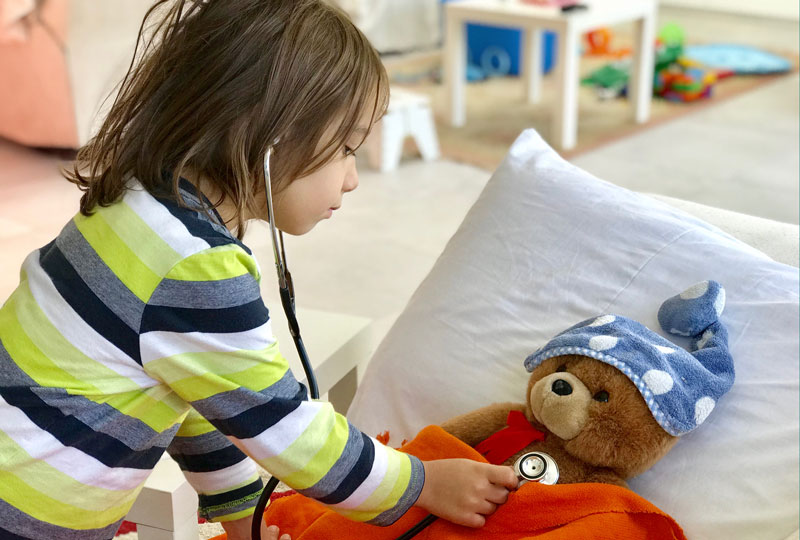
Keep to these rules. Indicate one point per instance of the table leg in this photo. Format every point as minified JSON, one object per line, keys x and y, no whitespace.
{"x":531,"y":55}
{"x":641,"y":82}
{"x":455,"y":60}
{"x":565,"y":115}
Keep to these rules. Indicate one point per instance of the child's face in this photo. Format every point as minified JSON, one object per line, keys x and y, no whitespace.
{"x":308,"y":200}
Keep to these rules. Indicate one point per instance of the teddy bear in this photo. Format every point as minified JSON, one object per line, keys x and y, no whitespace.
{"x":608,"y":397}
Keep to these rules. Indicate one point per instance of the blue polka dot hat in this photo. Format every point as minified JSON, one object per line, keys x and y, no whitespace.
{"x":681,"y":388}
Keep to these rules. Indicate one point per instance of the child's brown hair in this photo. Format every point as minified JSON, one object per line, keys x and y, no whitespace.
{"x":216,"y":83}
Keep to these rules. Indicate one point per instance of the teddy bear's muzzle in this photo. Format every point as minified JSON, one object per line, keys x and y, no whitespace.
{"x":560,"y":401}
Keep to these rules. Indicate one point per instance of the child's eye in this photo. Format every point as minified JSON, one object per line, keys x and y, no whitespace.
{"x":349,"y":151}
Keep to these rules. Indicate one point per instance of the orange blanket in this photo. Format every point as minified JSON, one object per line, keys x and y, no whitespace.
{"x":535,"y":511}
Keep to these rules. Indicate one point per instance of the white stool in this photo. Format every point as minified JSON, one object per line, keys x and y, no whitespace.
{"x":409,"y":114}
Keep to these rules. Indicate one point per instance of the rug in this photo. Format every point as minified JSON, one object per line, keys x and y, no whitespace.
{"x":497,"y":113}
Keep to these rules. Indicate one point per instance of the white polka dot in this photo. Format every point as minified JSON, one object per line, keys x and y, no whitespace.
{"x":704,"y":339}
{"x":665,"y":350}
{"x":602,"y":343}
{"x":719,"y":302}
{"x":659,"y":382}
{"x":695,"y":291}
{"x":702,"y":409}
{"x":603,"y":320}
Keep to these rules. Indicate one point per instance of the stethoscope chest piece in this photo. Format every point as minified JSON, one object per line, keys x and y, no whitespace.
{"x":536,"y":467}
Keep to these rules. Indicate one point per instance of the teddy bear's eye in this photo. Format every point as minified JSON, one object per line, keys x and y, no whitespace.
{"x":562,"y":368}
{"x":602,"y":395}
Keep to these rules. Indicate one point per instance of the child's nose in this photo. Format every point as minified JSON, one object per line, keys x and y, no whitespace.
{"x":350,"y":179}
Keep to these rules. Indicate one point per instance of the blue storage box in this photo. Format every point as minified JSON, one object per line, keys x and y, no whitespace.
{"x":480,"y":37}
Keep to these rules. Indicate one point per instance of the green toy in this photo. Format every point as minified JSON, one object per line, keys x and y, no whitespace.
{"x":611,"y":80}
{"x":672,"y":34}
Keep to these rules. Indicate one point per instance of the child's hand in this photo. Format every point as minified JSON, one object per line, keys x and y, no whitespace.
{"x":465,"y":491}
{"x":240,"y":530}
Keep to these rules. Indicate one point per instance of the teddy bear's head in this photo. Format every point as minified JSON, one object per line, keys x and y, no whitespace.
{"x":599,"y":414}
{"x":618,"y":394}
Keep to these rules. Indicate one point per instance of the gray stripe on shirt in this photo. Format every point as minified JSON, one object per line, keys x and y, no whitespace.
{"x":204,"y":443}
{"x":104,"y":418}
{"x":234,"y":402}
{"x":335,"y":476}
{"x":99,"y":277}
{"x":18,"y":522}
{"x":223,"y":293}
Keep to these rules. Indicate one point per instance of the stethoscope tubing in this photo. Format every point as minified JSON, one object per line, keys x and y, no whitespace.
{"x":287,"y":301}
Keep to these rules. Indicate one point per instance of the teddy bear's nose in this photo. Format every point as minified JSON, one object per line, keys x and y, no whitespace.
{"x":561,"y":387}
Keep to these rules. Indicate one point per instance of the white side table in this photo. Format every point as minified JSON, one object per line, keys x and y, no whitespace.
{"x":335,"y":345}
{"x":569,"y":27}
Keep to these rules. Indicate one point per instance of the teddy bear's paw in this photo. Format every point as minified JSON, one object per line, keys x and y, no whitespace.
{"x":694,"y":310}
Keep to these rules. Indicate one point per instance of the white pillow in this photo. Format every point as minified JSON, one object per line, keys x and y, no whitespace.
{"x":546,"y":246}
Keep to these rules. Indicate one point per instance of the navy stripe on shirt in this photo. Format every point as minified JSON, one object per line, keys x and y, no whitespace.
{"x":71,"y":432}
{"x":86,"y":303}
{"x":210,"y":501}
{"x":210,"y":461}
{"x":219,"y":321}
{"x":256,"y":419}
{"x":357,"y":474}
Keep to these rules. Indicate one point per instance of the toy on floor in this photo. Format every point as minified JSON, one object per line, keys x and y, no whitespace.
{"x":609,"y":397}
{"x":598,"y":43}
{"x":686,"y":82}
{"x":676,"y":77}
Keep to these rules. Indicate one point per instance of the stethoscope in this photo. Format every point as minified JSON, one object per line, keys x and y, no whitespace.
{"x":530,"y":467}
{"x":286,"y":289}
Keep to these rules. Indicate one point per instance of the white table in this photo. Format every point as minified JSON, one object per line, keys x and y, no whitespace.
{"x":569,"y":27}
{"x":336,"y":344}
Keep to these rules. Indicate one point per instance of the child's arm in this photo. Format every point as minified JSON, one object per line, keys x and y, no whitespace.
{"x":206,"y":334}
{"x":225,"y":479}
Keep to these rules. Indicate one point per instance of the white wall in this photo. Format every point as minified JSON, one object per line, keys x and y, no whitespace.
{"x":784,"y":9}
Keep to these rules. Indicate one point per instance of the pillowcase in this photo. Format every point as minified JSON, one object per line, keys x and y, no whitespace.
{"x":548,"y":245}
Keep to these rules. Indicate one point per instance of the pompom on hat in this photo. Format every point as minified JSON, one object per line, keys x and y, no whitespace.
{"x":681,"y":388}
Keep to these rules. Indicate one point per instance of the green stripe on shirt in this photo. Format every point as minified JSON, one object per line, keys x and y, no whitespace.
{"x":131,"y":229}
{"x":121,"y":259}
{"x":214,"y":264}
{"x":44,"y":478}
{"x":324,"y":460}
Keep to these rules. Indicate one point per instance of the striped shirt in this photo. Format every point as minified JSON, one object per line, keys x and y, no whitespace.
{"x":141,"y":329}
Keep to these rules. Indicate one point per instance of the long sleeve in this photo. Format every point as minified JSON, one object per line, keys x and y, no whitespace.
{"x":206,"y":333}
{"x":225,"y":479}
